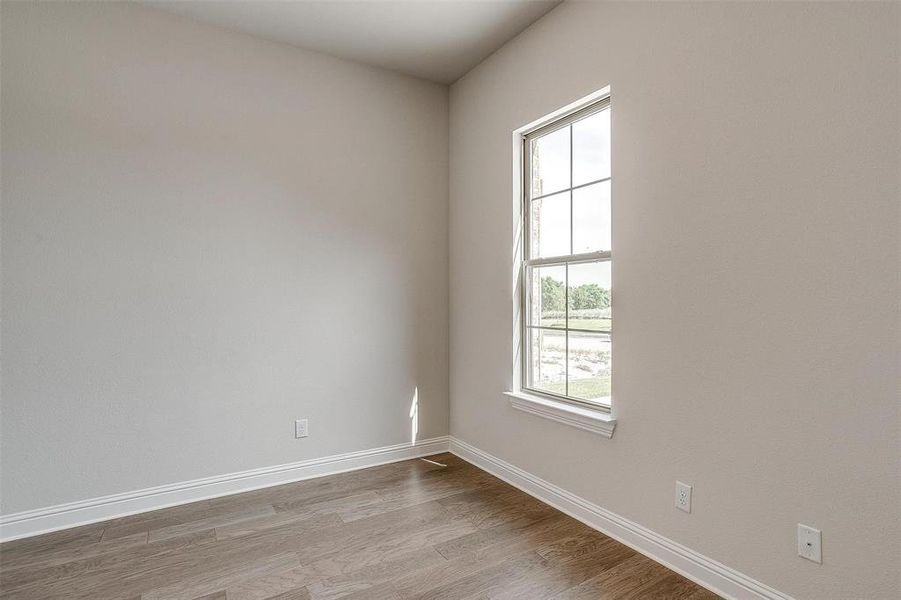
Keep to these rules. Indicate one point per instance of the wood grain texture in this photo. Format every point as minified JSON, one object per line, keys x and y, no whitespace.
{"x":420,"y":529}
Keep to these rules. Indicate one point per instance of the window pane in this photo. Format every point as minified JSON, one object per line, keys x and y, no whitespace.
{"x":549,"y":226}
{"x":591,"y":218}
{"x":548,"y":363}
{"x":589,"y":296}
{"x":550,"y":163}
{"x":591,"y":148}
{"x":548,"y":297}
{"x":567,"y":306}
{"x":589,"y":366}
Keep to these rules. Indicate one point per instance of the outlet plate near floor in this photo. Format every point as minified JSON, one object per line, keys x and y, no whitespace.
{"x":301,"y":429}
{"x":810,"y":543}
{"x":683,"y":496}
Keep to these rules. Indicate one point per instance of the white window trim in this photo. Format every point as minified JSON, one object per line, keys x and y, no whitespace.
{"x":598,"y":419}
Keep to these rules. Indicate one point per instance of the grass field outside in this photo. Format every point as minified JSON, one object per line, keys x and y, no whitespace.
{"x":593,"y":324}
{"x":590,"y":388}
{"x":587,"y":366}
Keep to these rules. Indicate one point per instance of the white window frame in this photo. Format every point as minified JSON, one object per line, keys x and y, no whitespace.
{"x":578,"y":412}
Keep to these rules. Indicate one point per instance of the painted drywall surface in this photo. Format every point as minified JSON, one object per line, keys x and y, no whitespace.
{"x":756,"y":242}
{"x":206,"y":236}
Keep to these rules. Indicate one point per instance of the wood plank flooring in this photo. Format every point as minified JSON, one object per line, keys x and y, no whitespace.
{"x":426,"y":529}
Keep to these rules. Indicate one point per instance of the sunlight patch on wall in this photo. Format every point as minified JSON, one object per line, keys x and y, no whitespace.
{"x":414,"y":416}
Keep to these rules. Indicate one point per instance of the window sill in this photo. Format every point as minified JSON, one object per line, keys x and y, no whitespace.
{"x":594,"y":421}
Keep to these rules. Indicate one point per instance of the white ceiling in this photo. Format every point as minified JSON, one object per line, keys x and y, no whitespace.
{"x":439,"y":40}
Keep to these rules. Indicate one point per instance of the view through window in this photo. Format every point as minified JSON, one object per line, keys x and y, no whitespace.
{"x":567,"y":304}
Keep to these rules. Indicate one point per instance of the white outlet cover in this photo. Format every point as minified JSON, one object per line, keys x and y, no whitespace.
{"x":810,"y":543}
{"x":300,"y":428}
{"x":683,"y":496}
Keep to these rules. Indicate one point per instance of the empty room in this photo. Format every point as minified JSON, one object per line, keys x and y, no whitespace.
{"x":450,"y":300}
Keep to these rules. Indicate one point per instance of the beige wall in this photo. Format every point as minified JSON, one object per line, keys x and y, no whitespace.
{"x":206,"y":236}
{"x":756,"y":163}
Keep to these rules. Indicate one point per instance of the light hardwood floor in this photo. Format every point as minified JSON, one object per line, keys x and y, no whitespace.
{"x":438,"y":528}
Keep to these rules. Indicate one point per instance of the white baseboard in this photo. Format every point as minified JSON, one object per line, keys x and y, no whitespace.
{"x":83,"y":512}
{"x":707,"y":572}
{"x":704,"y":571}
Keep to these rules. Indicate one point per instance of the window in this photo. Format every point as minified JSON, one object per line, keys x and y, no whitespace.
{"x":567,"y":254}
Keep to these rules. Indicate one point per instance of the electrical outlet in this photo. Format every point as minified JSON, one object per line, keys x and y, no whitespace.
{"x":300,"y":428}
{"x":810,"y":543}
{"x":683,"y":496}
